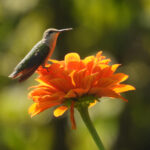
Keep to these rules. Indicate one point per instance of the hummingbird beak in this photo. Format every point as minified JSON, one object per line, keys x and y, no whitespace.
{"x":67,"y":29}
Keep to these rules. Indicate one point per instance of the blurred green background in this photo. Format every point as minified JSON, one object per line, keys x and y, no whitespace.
{"x":121,"y":28}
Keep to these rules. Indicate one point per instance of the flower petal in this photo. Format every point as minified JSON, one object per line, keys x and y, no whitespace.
{"x":92,"y":104}
{"x":53,"y":97}
{"x":114,"y":67}
{"x":88,"y":59}
{"x":123,"y":88}
{"x":36,"y":108}
{"x":104,"y":92}
{"x":60,"y":111}
{"x":61,"y":84}
{"x":99,"y":54}
{"x":80,"y":91}
{"x":72,"y":57}
{"x":72,"y":62}
{"x":88,"y":81}
{"x":77,"y":77}
{"x":42,"y":91}
{"x":106,"y":71}
{"x":119,"y":77}
{"x":70,"y":94}
{"x":57,"y":61}
{"x":105,"y":61}
{"x":112,"y":80}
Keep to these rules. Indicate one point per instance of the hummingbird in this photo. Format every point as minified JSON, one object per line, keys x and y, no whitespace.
{"x":38,"y":55}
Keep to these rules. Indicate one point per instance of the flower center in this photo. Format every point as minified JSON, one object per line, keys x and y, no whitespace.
{"x":84,"y":100}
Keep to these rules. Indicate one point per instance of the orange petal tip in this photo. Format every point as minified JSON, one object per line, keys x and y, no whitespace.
{"x":72,"y":57}
{"x":60,"y":111}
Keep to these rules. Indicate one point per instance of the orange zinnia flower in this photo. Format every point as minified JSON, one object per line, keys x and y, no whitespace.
{"x":72,"y":81}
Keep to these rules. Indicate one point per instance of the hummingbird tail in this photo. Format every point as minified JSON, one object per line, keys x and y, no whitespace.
{"x":13,"y":75}
{"x":24,"y":74}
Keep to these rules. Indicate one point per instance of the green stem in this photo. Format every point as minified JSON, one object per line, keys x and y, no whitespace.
{"x":83,"y":110}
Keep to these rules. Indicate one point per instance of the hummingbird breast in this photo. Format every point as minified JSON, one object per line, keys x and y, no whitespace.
{"x":51,"y":44}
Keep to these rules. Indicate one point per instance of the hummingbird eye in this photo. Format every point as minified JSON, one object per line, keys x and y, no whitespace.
{"x":50,"y":32}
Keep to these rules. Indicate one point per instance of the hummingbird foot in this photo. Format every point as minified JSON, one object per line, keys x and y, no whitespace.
{"x":45,"y":68}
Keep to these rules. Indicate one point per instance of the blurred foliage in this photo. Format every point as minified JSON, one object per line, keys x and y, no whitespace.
{"x":120,"y":27}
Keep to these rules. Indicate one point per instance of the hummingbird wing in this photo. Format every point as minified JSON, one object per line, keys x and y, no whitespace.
{"x":31,"y":62}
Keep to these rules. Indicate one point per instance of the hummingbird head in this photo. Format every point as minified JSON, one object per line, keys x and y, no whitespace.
{"x":50,"y":35}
